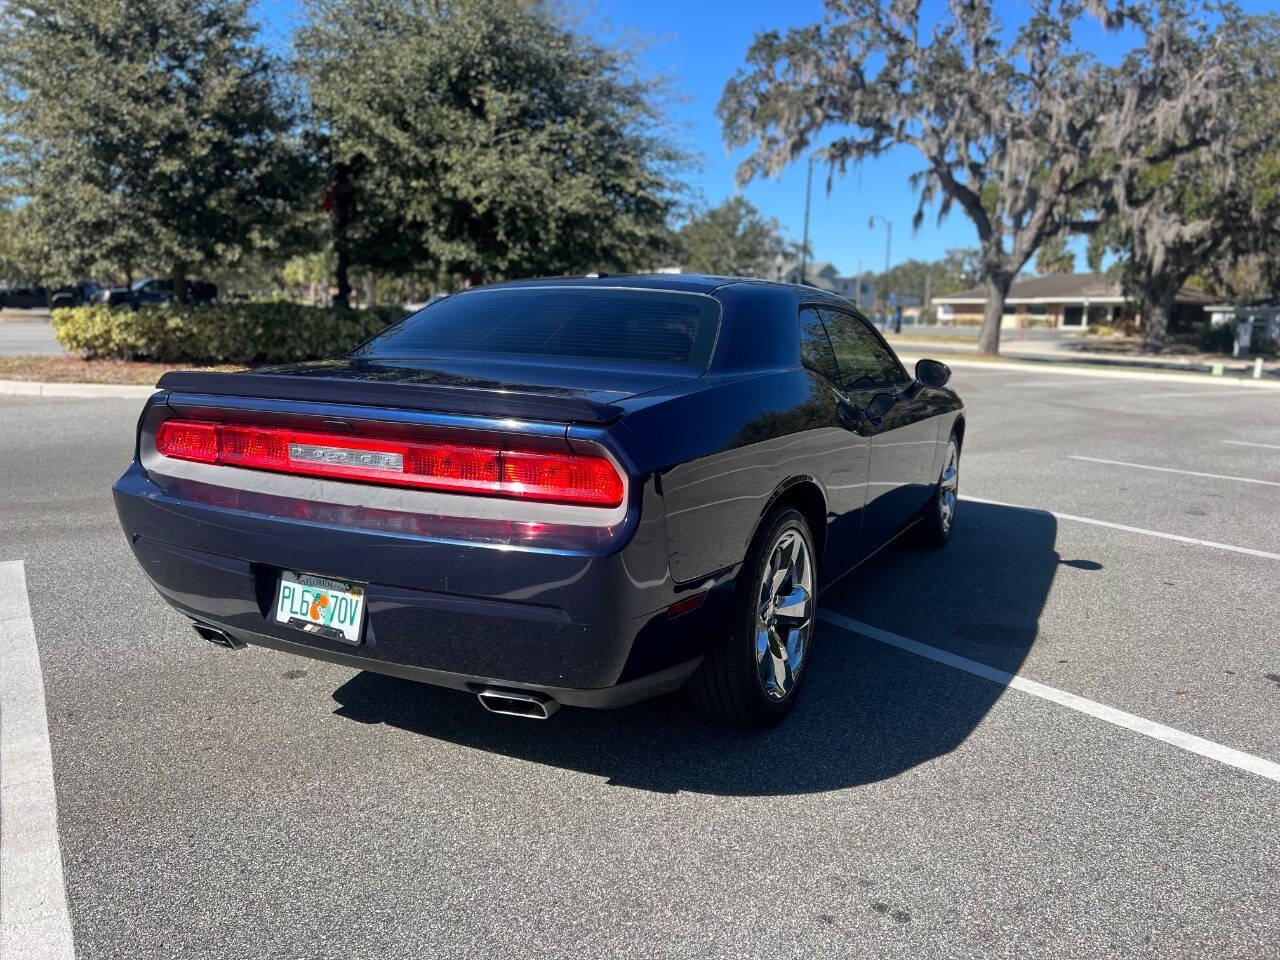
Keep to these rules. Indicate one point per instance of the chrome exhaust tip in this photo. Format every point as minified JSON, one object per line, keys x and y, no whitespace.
{"x":219,"y":637}
{"x":517,"y":703}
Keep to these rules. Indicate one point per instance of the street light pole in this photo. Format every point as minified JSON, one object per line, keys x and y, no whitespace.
{"x":804,"y":250}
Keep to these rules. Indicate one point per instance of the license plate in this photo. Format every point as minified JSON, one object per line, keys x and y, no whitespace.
{"x":320,"y":606}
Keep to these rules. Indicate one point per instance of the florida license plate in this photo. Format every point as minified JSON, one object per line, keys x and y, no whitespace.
{"x":320,"y":606}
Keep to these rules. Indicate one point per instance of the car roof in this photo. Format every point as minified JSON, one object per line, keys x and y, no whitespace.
{"x":674,"y":282}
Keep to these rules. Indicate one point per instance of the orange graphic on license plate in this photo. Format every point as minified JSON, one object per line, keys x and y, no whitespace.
{"x":318,"y":605}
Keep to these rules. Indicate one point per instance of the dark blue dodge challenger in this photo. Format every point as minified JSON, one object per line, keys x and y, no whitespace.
{"x":570,"y":491}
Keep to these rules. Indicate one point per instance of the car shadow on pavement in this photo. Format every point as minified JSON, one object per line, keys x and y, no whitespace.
{"x":868,"y":711}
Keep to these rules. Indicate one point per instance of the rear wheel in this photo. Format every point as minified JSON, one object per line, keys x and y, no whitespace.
{"x":751,"y":677}
{"x":940,"y":512}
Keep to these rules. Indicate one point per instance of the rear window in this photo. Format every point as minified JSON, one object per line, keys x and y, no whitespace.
{"x":602,"y":325}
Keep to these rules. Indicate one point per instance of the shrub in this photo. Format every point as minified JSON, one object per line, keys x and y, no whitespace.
{"x":246,"y":333}
{"x":1216,"y":338}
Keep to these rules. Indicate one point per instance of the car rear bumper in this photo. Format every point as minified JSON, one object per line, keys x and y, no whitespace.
{"x":618,"y":695}
{"x":586,"y":627}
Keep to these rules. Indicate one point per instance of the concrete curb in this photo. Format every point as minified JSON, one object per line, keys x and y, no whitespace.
{"x":1068,"y":370}
{"x":35,"y":388}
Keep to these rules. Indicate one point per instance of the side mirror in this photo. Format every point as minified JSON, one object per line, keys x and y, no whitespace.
{"x":932,"y":373}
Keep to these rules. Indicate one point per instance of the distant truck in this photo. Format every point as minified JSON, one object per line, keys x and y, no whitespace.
{"x":35,"y":297}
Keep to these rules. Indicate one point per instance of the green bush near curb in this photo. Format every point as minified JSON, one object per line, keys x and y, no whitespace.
{"x":247,"y":333}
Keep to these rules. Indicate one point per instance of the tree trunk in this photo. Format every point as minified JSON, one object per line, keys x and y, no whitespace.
{"x":993,"y":314}
{"x":1157,"y":310}
{"x":342,"y":202}
{"x":179,"y":277}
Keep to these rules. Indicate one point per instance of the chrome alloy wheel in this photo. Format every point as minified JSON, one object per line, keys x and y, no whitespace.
{"x":948,"y":485}
{"x":784,"y":614}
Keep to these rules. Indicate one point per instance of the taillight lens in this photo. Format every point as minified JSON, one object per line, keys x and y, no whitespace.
{"x":188,"y":440}
{"x":457,"y":467}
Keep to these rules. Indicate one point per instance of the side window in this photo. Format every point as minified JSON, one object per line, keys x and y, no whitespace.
{"x":863,"y":360}
{"x":815,"y":348}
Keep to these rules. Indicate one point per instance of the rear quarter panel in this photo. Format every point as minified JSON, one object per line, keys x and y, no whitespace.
{"x":724,"y":453}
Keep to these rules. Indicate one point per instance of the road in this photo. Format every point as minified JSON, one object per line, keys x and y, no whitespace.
{"x":27,"y":333}
{"x":217,"y":804}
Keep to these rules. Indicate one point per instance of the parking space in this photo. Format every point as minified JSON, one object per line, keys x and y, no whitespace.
{"x":256,"y":805}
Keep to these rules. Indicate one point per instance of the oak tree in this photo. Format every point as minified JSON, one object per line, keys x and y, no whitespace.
{"x":732,"y":239}
{"x":143,"y":134}
{"x":477,"y":140}
{"x":1008,"y":124}
{"x":1171,"y":212}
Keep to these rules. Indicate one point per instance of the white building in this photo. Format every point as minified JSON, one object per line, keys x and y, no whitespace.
{"x":824,"y":276}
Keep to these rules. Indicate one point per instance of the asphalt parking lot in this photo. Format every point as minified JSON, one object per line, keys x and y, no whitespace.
{"x":1117,"y":544}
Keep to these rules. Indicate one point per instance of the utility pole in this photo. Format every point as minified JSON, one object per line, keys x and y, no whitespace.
{"x":888,"y":240}
{"x":857,"y":290}
{"x":804,"y":251}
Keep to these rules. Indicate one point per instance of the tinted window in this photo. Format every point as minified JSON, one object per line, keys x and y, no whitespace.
{"x":862,"y":358}
{"x":815,"y":348}
{"x":595,"y":323}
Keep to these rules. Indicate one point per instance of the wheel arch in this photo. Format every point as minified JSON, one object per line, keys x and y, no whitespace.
{"x":805,"y":495}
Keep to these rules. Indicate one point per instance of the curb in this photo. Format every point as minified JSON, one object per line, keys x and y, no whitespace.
{"x":36,"y":388}
{"x":1126,"y":373}
{"x":1066,"y":358}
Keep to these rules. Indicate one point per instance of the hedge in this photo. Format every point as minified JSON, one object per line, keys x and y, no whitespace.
{"x":246,"y":333}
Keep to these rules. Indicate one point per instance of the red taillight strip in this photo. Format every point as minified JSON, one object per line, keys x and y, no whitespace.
{"x":432,"y":465}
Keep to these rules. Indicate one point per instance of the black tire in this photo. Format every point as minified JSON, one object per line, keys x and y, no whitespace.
{"x":728,"y":685}
{"x":937,"y":519}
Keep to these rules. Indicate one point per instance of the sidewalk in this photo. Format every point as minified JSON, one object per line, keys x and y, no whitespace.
{"x":1088,"y":352}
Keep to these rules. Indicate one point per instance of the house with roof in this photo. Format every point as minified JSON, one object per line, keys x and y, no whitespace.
{"x":1066,"y":300}
{"x":824,"y":275}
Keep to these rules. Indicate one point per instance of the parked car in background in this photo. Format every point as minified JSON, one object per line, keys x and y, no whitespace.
{"x":74,"y":295}
{"x":150,"y":290}
{"x":115,"y":297}
{"x":153,"y":290}
{"x":24,"y":298}
{"x":572,"y":491}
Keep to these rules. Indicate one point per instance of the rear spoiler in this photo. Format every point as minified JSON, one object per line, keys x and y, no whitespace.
{"x":400,"y":395}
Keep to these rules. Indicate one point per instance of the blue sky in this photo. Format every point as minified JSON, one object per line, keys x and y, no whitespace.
{"x":699,"y":45}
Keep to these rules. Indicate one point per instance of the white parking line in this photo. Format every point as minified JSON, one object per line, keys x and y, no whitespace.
{"x":1148,"y":728}
{"x":1188,"y":473}
{"x":34,"y":922}
{"x":1194,"y":541}
{"x":1246,"y":443}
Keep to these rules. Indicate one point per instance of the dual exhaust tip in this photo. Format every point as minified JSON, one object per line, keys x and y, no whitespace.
{"x":218,"y":636}
{"x":509,"y":702}
{"x":517,"y":703}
